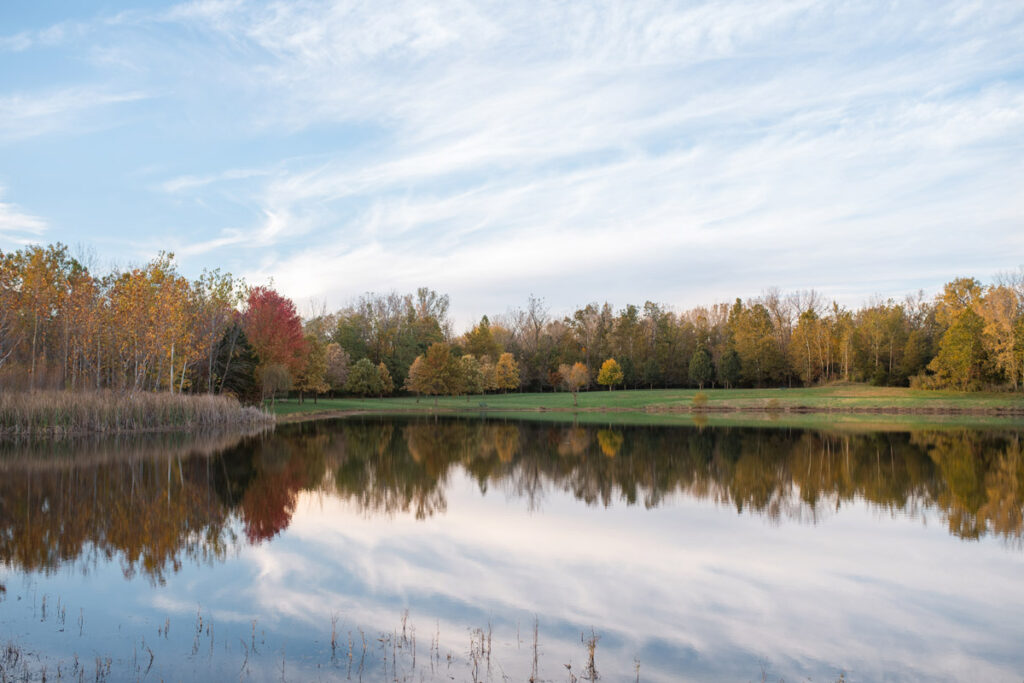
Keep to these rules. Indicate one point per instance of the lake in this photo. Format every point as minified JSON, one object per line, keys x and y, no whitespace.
{"x":426,"y":549}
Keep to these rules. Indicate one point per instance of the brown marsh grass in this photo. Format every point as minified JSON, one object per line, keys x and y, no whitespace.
{"x":66,"y":413}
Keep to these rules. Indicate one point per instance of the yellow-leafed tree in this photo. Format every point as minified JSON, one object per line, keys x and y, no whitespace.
{"x":610,"y":374}
{"x":506,"y":372}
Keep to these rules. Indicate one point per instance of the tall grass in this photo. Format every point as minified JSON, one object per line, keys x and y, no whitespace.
{"x":66,"y":413}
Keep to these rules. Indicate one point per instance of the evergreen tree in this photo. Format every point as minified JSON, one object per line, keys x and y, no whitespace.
{"x":730,"y":369}
{"x":234,"y":367}
{"x":701,"y":370}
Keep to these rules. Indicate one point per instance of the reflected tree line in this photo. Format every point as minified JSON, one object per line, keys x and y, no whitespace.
{"x":157,"y":508}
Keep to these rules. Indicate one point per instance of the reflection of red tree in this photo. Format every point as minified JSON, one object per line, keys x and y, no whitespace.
{"x":269,"y":502}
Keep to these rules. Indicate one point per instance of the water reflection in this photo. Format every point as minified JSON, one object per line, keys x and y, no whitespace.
{"x":153,"y":504}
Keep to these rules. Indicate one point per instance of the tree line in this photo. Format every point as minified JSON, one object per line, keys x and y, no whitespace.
{"x":65,"y":325}
{"x":969,"y":336}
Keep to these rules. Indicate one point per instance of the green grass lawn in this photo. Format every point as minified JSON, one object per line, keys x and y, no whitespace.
{"x":839,"y":398}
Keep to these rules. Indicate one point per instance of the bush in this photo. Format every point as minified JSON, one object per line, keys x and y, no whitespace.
{"x":700,"y":400}
{"x":924,"y":381}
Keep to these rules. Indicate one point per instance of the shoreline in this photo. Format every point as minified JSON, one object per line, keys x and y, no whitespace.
{"x":825,"y":406}
{"x":759,"y":412}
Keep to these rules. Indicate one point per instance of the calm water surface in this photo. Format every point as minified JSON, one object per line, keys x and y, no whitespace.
{"x":432,"y":550}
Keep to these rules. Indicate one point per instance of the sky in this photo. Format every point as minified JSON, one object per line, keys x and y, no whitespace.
{"x":678,"y":152}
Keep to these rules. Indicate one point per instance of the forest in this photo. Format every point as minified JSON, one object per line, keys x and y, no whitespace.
{"x":65,"y":326}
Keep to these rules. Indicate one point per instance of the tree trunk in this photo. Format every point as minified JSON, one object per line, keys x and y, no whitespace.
{"x":227,"y":362}
{"x":35,"y":334}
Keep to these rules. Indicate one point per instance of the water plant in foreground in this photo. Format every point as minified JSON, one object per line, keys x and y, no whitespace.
{"x":66,"y":413}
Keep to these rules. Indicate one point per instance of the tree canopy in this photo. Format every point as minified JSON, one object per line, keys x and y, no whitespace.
{"x":610,"y":374}
{"x":64,"y":325}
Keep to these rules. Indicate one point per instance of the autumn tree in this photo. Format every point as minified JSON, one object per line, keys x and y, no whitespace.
{"x":472,"y":375}
{"x":215,"y":297}
{"x":386,"y":385}
{"x":574,"y":377}
{"x":275,"y":378}
{"x":313,"y":378}
{"x":364,"y":379}
{"x":610,"y":374}
{"x":479,"y":342}
{"x":149,"y":311}
{"x":337,"y":361}
{"x":753,"y":334}
{"x":487,"y":375}
{"x":148,"y":328}
{"x":274,"y":329}
{"x":960,"y":362}
{"x":956,"y":296}
{"x":9,"y":306}
{"x":591,"y":326}
{"x":805,"y":349}
{"x":1001,"y":311}
{"x":435,"y":373}
{"x":42,"y":293}
{"x":1018,"y":345}
{"x":392,"y":328}
{"x":879,"y":339}
{"x":415,"y":380}
{"x":506,"y":373}
{"x":628,"y":343}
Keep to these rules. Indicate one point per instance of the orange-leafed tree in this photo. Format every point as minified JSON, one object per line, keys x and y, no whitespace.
{"x":574,"y":377}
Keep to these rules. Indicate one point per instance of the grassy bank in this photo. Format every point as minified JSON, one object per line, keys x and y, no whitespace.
{"x":65,"y":413}
{"x":850,"y":399}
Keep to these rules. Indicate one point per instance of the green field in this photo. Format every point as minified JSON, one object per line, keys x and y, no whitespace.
{"x":851,"y":402}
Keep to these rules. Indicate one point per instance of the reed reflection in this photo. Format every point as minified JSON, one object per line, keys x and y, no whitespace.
{"x":153,"y":506}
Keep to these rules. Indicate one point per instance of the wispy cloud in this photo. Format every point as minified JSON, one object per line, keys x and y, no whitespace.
{"x":191,"y":182}
{"x":671,"y":150}
{"x":572,"y":139}
{"x":16,"y":225}
{"x":28,"y":115}
{"x":46,"y":37}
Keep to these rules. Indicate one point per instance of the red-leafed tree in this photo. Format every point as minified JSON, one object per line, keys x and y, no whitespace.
{"x":274,"y":329}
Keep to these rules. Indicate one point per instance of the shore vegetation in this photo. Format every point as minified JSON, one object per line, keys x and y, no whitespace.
{"x":66,"y":413}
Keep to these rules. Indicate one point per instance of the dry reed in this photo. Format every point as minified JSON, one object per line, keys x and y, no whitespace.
{"x":66,"y":413}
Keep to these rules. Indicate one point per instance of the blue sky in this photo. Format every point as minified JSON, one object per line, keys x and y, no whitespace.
{"x":682,"y":152}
